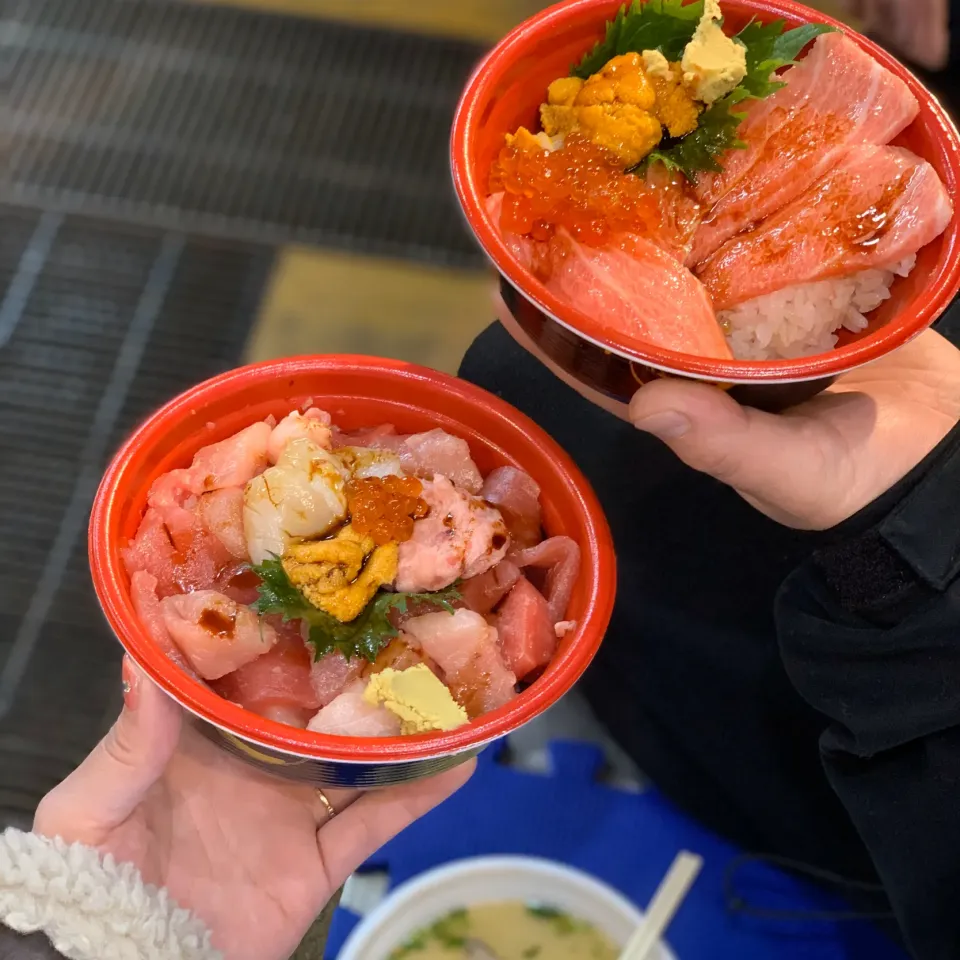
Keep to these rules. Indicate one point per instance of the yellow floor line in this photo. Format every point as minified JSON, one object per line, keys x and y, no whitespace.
{"x":480,"y":20}
{"x":323,"y":302}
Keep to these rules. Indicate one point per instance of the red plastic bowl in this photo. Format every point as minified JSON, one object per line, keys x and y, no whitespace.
{"x":358,"y":392}
{"x":505,"y":92}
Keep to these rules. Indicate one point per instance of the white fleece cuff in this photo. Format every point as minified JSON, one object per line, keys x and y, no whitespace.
{"x":92,"y":908}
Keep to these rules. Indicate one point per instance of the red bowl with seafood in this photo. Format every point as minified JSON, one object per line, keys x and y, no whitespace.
{"x":154,"y":585}
{"x":848,"y":114}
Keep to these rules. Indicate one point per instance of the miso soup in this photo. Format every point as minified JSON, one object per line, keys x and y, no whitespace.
{"x":512,"y":931}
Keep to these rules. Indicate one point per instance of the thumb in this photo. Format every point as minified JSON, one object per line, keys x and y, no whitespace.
{"x":108,"y":786}
{"x":779,"y":463}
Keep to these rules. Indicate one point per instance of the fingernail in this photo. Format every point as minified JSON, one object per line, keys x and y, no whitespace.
{"x":669,"y":425}
{"x":131,"y":684}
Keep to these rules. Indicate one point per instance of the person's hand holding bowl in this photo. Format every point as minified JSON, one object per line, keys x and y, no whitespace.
{"x":821,"y":462}
{"x":253,"y":856}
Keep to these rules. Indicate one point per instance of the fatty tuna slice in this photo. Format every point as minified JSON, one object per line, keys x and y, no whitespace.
{"x":877,"y":207}
{"x":836,"y":97}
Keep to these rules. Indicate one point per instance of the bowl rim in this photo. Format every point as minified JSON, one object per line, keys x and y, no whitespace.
{"x":419,"y":886}
{"x":111,"y":581}
{"x":929,"y":303}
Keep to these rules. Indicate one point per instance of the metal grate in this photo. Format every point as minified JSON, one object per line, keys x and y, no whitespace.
{"x":235,"y":123}
{"x":98,"y":325}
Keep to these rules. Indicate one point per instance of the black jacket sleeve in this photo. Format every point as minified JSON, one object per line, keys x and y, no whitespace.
{"x":869,"y":631}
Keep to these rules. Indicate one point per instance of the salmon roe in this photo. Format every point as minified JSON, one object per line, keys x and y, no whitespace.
{"x":384,"y":509}
{"x":579,"y":187}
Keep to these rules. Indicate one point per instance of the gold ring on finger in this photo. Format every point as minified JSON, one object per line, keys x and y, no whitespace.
{"x":327,"y":805}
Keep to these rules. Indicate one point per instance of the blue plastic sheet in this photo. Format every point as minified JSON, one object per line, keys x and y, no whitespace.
{"x":628,"y":840}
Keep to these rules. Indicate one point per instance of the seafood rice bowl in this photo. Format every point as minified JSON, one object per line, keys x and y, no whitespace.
{"x":736,"y":191}
{"x":335,"y":576}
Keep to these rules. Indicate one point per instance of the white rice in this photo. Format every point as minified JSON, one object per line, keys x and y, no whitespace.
{"x":803,"y":319}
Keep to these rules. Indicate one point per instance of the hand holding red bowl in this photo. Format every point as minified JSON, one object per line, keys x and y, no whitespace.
{"x":736,"y":276}
{"x":244,"y":861}
{"x":151,"y":518}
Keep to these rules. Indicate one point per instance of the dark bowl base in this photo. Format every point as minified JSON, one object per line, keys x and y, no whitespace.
{"x":620,"y":378}
{"x":329,"y":773}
